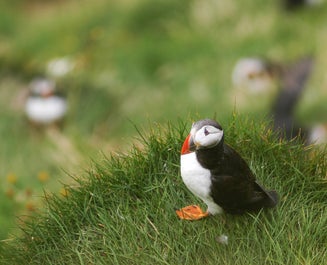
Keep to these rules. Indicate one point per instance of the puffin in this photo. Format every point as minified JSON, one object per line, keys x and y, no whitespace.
{"x":255,"y":75}
{"x":213,"y":171}
{"x":44,"y":105}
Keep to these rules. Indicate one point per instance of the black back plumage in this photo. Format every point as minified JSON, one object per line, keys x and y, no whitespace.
{"x":234,"y":186}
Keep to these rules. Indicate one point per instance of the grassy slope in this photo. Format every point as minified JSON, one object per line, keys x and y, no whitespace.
{"x":123,"y":211}
{"x":139,"y":62}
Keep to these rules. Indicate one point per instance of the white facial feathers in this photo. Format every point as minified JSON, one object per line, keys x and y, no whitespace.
{"x":207,"y":136}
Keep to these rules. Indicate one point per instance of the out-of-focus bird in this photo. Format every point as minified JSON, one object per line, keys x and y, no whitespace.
{"x":217,"y":174}
{"x":44,"y":106}
{"x":256,"y":76}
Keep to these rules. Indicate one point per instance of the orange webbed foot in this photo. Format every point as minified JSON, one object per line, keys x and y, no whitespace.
{"x":192,"y":212}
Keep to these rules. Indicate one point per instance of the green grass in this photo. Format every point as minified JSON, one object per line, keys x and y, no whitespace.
{"x":138,"y":62}
{"x":123,"y":210}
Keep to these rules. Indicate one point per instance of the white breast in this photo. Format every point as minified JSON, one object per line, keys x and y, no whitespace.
{"x":45,"y":110}
{"x":198,"y":180}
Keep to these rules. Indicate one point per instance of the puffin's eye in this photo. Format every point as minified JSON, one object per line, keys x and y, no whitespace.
{"x":206,"y":132}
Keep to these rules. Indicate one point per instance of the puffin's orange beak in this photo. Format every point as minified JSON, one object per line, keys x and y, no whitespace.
{"x":188,"y":145}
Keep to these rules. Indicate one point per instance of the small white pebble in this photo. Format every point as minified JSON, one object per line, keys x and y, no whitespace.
{"x":222,"y":239}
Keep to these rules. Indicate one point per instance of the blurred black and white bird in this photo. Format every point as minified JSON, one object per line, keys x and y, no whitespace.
{"x":256,"y":77}
{"x":217,"y":174}
{"x":44,"y":105}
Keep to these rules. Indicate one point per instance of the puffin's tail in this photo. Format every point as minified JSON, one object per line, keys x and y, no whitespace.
{"x":264,"y":198}
{"x":272,"y":199}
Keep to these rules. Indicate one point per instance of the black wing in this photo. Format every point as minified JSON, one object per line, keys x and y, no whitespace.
{"x":235,"y":165}
{"x":235,"y":189}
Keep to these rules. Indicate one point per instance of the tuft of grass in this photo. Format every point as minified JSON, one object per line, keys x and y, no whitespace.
{"x":123,"y":209}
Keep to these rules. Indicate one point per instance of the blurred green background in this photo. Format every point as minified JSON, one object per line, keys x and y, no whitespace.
{"x":135,"y":62}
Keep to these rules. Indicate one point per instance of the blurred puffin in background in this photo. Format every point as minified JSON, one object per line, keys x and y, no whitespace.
{"x":44,"y":105}
{"x":256,"y":76}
